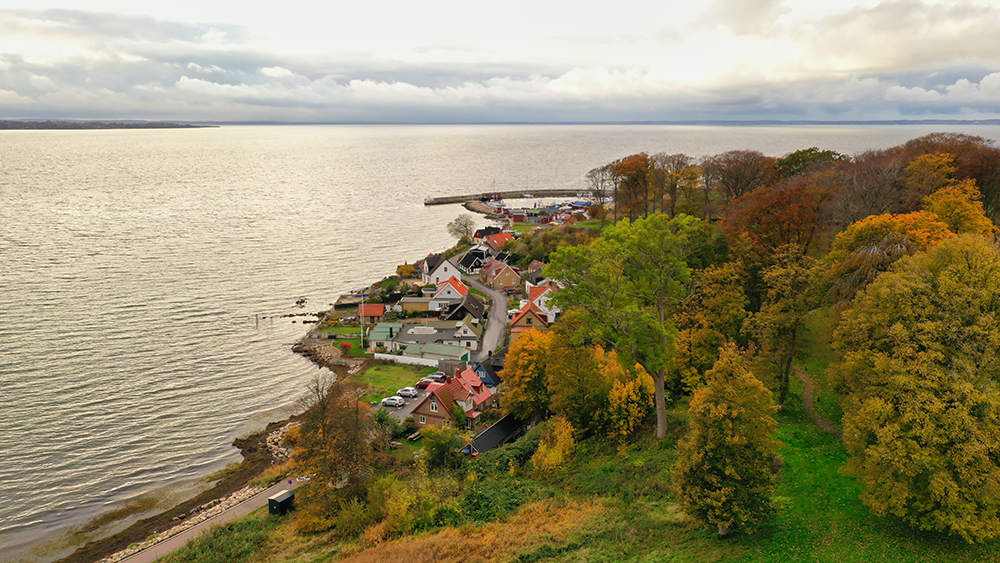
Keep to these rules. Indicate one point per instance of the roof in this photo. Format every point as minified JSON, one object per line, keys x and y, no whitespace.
{"x":536,"y":291}
{"x":533,"y":309}
{"x":454,"y":282}
{"x":497,"y":434}
{"x":470,"y":305}
{"x":443,"y":350}
{"x":458,"y":389}
{"x":490,"y":376}
{"x":497,"y":241}
{"x":536,"y":265}
{"x":385,"y":331}
{"x":432,"y":261}
{"x":486,"y":231}
{"x":371,"y":310}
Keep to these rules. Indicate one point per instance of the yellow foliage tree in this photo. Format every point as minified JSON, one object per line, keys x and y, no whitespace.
{"x":958,"y":205}
{"x":723,"y":477}
{"x":556,"y":447}
{"x":929,"y":173}
{"x":630,"y":399}
{"x":525,"y":376}
{"x":920,"y":374}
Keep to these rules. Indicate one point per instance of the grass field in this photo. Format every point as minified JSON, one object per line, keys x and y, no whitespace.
{"x":386,"y":379}
{"x":341,"y":329}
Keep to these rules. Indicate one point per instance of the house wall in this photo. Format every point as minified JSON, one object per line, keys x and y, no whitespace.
{"x":409,"y":360}
{"x":416,"y":305}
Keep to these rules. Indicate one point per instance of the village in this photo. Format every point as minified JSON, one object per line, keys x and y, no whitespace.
{"x":457,"y":313}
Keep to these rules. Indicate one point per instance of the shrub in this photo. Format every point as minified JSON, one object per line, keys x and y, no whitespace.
{"x":345,"y":347}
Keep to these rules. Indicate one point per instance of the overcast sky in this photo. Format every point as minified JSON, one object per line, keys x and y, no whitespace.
{"x":514,"y":61}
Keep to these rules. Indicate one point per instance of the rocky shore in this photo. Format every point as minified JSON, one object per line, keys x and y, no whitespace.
{"x":260,"y":451}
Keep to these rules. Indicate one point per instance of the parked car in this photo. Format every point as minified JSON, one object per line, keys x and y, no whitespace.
{"x":423,"y":383}
{"x":437,"y":376}
{"x":393,"y":402}
{"x":407,"y":392}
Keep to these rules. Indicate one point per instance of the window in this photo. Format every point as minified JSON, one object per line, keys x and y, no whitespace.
{"x":434,"y":406}
{"x":468,"y":344}
{"x":528,"y":320}
{"x":423,"y":419}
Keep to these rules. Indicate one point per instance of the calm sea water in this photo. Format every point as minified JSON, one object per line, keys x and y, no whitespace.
{"x":133,"y":265}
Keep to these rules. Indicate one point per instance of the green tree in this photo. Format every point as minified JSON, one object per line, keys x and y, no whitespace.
{"x":790,"y":294}
{"x":441,"y":447}
{"x":722,"y":477}
{"x":801,"y":160}
{"x":628,"y":281}
{"x":919,"y":371}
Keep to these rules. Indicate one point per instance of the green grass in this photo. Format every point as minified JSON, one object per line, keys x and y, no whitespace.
{"x":233,"y":542}
{"x":478,"y":293}
{"x":341,"y":329}
{"x":815,"y":357}
{"x":521,"y":228}
{"x":386,"y":379}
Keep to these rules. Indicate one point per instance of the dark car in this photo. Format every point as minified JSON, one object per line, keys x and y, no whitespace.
{"x":437,"y":376}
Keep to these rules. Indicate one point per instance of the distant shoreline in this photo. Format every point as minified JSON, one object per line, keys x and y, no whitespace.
{"x":34,"y":125}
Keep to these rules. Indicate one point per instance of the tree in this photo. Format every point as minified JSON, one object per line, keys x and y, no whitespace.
{"x":463,"y":227}
{"x":919,"y":372}
{"x":738,"y":173}
{"x":790,"y":284}
{"x":723,"y":473}
{"x":807,"y":159}
{"x":873,"y":183}
{"x":632,"y":183}
{"x":627,"y":282}
{"x":869,"y":247}
{"x":335,"y":448}
{"x":783,"y":214}
{"x":441,"y":447}
{"x":601,"y":182}
{"x":525,"y":374}
{"x":958,"y":206}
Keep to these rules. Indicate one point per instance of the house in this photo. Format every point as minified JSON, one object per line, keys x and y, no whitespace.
{"x":408,"y":304}
{"x":463,"y":391}
{"x":452,"y":288}
{"x":487,"y":373}
{"x":479,"y":235}
{"x":436,"y":268}
{"x":383,"y":334}
{"x":499,"y":275}
{"x":370,"y":313}
{"x":528,"y":318}
{"x":496,"y":242}
{"x":540,"y":295}
{"x":473,"y":260}
{"x":470,"y":305}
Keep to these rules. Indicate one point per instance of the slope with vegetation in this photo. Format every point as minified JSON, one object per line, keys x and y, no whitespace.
{"x":665,"y":405}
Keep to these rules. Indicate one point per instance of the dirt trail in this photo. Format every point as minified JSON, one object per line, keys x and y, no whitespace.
{"x":808,"y":395}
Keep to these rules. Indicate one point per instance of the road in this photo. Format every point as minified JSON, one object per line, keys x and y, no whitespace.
{"x":176,"y":542}
{"x":497,"y":323}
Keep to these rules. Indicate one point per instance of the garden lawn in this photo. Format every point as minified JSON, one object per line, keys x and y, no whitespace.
{"x":386,"y":379}
{"x":341,"y":329}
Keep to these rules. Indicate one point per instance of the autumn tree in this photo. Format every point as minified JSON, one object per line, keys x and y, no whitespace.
{"x":601,"y":182}
{"x":713,"y":313}
{"x":463,"y":227}
{"x":737,"y":173}
{"x":782,"y":214}
{"x":958,"y":205}
{"x":872,"y":183}
{"x":919,"y":372}
{"x":632,"y":185}
{"x":974,"y":158}
{"x":723,"y":473}
{"x":869,"y":247}
{"x":790,"y":294}
{"x":627,"y":282}
{"x":526,"y":374}
{"x":334,"y":448}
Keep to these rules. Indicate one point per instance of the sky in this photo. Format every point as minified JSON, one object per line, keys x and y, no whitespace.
{"x":443,"y":61}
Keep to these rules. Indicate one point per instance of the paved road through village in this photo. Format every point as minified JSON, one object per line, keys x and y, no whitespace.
{"x":497,"y":324}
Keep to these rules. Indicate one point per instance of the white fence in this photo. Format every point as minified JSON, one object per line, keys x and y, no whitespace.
{"x":406,"y":360}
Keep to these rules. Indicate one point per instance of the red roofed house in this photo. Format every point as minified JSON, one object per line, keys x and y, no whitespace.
{"x":370,"y":313}
{"x":463,"y":391}
{"x":497,"y":241}
{"x":539,"y":295}
{"x":528,"y":318}
{"x":452,"y":288}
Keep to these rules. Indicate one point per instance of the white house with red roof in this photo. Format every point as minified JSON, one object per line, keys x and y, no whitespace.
{"x":452,"y":288}
{"x":540,"y":295}
{"x":496,"y":242}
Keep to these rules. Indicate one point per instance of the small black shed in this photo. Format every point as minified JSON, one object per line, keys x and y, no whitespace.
{"x":281,"y":502}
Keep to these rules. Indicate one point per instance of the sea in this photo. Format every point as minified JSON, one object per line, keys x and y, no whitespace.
{"x":152,"y":281}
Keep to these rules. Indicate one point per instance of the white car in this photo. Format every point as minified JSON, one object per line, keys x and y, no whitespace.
{"x":407,"y":392}
{"x":393,"y":402}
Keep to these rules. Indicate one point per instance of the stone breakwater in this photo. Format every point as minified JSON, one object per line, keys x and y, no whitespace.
{"x":275,"y":443}
{"x":328,"y":355}
{"x":202,"y":513}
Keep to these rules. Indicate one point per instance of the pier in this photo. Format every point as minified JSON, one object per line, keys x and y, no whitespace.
{"x":512,"y":194}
